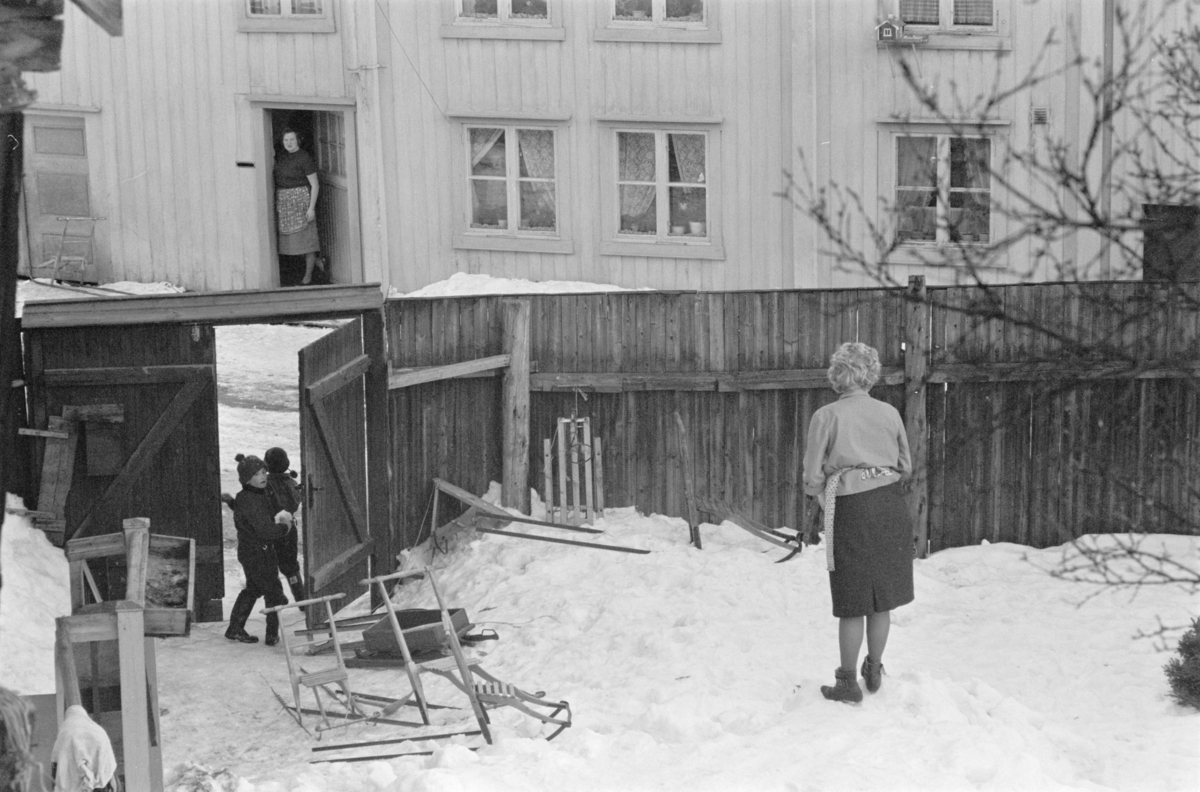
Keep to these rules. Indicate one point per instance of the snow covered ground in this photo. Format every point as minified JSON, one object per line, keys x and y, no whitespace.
{"x":686,"y":669}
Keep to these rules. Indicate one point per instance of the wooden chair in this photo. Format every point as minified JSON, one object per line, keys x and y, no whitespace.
{"x":460,"y":670}
{"x":300,"y":643}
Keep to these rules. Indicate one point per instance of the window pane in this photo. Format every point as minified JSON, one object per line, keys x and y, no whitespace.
{"x":536,"y":149}
{"x":689,"y":211}
{"x":638,"y":209}
{"x":916,"y":215}
{"x":479,"y":9}
{"x":970,"y":163}
{"x":306,"y":6}
{"x":489,"y":204}
{"x":685,"y":10}
{"x":970,"y":216}
{"x":537,"y":206}
{"x":635,"y":154}
{"x":270,"y":7}
{"x":916,"y":162}
{"x":919,"y":12}
{"x":685,"y":158}
{"x":529,"y":9}
{"x":487,"y":152}
{"x":640,"y":10}
{"x":972,"y":12}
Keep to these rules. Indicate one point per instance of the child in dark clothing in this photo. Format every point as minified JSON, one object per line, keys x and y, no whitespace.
{"x":282,"y":487}
{"x":259,"y":525}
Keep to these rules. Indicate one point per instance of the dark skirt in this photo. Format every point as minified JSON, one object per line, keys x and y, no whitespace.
{"x":872,"y":553}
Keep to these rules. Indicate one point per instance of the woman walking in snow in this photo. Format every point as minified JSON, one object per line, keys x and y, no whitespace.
{"x":259,"y":526}
{"x":856,"y":455}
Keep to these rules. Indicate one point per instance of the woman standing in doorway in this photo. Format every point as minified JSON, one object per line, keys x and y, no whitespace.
{"x":856,"y":455}
{"x":296,"y":190}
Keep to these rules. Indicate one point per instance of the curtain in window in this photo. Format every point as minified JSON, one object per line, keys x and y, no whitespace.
{"x":919,"y":12}
{"x":482,"y":141}
{"x":490,"y":196}
{"x":306,"y":6}
{"x":635,"y":163}
{"x":916,"y":162}
{"x":972,"y":12}
{"x":535,"y":148}
{"x":689,"y":156}
{"x":265,"y":7}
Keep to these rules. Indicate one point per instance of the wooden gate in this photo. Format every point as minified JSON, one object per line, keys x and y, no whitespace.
{"x":339,"y":488}
{"x":140,"y":404}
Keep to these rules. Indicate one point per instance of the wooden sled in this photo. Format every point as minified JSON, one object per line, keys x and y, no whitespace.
{"x":482,"y":690}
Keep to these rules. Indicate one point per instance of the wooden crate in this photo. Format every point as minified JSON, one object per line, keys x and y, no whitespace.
{"x":100,"y":573}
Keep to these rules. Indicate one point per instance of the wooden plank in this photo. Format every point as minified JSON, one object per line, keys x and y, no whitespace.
{"x":598,"y":451}
{"x":58,"y":467}
{"x":378,"y":436}
{"x":42,"y":433}
{"x":556,"y":540}
{"x":146,"y":450}
{"x":493,"y":512}
{"x":340,"y":565}
{"x":119,"y":375}
{"x":515,"y":454}
{"x":336,"y":380}
{"x":233,"y":307}
{"x":916,"y":355}
{"x":135,"y":702}
{"x":354,"y":509}
{"x":403,"y":378}
{"x":688,"y":472}
{"x":137,"y":558}
{"x":1059,"y":370}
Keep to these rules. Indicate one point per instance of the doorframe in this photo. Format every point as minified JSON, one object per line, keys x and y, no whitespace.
{"x":262,"y":132}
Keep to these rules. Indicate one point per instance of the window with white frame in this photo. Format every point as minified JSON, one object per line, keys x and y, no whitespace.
{"x":512,"y":181}
{"x":501,"y":11}
{"x":662,"y":192}
{"x":943,"y":189}
{"x":963,"y":15}
{"x":300,"y":16}
{"x":659,"y":12}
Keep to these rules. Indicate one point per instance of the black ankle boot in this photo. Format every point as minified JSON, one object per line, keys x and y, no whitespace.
{"x":846,"y":689}
{"x":240,"y":635}
{"x":872,"y":674}
{"x":272,"y":636}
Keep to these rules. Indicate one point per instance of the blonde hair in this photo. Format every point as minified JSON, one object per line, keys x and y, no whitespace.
{"x":854,"y":364}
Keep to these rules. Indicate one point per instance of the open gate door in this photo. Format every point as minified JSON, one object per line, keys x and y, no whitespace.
{"x":343,"y":448}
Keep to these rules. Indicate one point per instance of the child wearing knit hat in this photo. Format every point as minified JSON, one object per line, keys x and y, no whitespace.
{"x":285,"y":494}
{"x":259,"y":525}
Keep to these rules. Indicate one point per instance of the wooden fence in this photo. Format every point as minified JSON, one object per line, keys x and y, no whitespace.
{"x":1042,"y":411}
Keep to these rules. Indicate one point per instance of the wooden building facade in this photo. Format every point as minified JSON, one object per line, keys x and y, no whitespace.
{"x":642,"y":143}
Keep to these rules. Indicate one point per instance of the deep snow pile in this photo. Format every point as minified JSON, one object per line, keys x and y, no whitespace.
{"x":694,"y":669}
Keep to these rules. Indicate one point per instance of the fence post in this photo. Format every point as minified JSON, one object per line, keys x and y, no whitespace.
{"x":516,"y":406}
{"x":916,"y":356}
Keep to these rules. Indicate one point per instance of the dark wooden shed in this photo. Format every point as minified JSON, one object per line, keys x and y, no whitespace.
{"x":132,"y":382}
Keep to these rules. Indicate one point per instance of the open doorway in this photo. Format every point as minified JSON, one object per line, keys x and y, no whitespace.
{"x":324,"y":135}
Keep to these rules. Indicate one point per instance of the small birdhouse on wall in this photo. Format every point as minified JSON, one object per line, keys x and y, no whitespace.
{"x":889,"y":31}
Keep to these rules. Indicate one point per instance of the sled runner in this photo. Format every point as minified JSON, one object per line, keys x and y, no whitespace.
{"x":723,"y":511}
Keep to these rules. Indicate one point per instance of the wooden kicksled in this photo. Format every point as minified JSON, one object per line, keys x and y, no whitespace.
{"x":793,"y":543}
